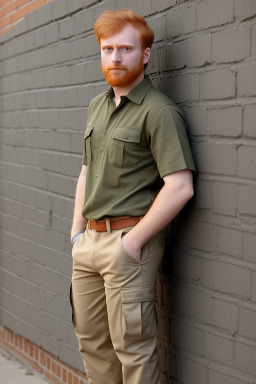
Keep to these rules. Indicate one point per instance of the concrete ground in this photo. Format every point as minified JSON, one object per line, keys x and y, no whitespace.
{"x":12,"y":371}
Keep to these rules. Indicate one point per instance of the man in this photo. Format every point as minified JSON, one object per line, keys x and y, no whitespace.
{"x":136,"y":177}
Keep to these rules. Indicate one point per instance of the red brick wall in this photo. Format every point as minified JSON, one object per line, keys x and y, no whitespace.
{"x":52,"y":368}
{"x":12,"y":11}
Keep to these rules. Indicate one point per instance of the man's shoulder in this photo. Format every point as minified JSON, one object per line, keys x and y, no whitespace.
{"x":157,"y":99}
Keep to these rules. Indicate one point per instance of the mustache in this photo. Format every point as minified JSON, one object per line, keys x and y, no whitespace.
{"x":116,"y":66}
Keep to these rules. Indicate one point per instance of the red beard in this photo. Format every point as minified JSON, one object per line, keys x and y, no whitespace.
{"x":123,"y":77}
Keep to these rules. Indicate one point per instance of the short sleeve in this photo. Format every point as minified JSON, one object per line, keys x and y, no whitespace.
{"x":167,"y":134}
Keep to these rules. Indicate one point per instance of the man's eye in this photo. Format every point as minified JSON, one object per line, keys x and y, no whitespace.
{"x":107,"y":49}
{"x":127,"y":49}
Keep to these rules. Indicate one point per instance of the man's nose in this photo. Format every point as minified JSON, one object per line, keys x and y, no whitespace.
{"x":116,"y":57}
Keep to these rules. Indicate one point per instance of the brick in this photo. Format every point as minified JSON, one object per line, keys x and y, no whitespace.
{"x":77,"y":144}
{"x":67,"y":28}
{"x":43,"y":15}
{"x":195,"y":235}
{"x":161,"y":5}
{"x":196,"y":118}
{"x":157,"y":60}
{"x":227,"y":278}
{"x":142,"y":7}
{"x":246,"y":200}
{"x":225,"y":314}
{"x":249,"y":246}
{"x":203,"y":194}
{"x":56,"y":98}
{"x":245,"y":9}
{"x":62,"y":53}
{"x":247,"y":162}
{"x":249,"y":121}
{"x":175,"y":56}
{"x":231,"y":242}
{"x":231,"y":46}
{"x":92,"y":72}
{"x":218,"y":84}
{"x":225,"y":198}
{"x":245,"y":357}
{"x":247,"y":319}
{"x":218,"y":377}
{"x":85,"y":95}
{"x":194,"y":373}
{"x":39,"y":37}
{"x":57,"y":306}
{"x":158,"y":24}
{"x":186,"y":88}
{"x":246,"y":80}
{"x":61,"y":262}
{"x":212,"y":13}
{"x":59,"y":9}
{"x":61,"y":184}
{"x":219,"y":348}
{"x":181,"y":21}
{"x":199,"y":51}
{"x":188,"y":338}
{"x":187,"y":267}
{"x":253,"y":33}
{"x":74,"y":6}
{"x":63,"y":76}
{"x":216,"y":158}
{"x":78,"y":73}
{"x":84,"y":21}
{"x":193,"y":304}
{"x":29,"y":43}
{"x":224,"y":122}
{"x":254,"y":287}
{"x":71,"y":97}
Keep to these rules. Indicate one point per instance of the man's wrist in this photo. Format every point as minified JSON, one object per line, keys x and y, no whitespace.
{"x":133,"y":239}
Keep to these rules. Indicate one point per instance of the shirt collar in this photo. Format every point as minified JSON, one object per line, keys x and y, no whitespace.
{"x":137,"y":94}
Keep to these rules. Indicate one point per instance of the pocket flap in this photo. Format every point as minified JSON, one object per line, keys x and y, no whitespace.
{"x":131,"y":135}
{"x":88,"y":132}
{"x":137,"y":294}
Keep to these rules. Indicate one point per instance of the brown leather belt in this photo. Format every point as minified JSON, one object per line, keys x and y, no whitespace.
{"x":111,"y":224}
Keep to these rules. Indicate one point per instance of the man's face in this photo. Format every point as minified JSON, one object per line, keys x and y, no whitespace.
{"x":122,"y":58}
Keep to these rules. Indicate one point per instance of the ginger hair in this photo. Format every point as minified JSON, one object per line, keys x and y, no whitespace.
{"x":111,"y":22}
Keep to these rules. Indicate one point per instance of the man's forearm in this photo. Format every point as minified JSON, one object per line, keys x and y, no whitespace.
{"x":79,"y":222}
{"x":177,"y":190}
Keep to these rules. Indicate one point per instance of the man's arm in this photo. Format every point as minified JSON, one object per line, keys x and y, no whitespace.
{"x":79,"y":222}
{"x":176,"y":191}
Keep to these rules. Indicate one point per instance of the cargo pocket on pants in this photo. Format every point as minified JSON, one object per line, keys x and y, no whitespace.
{"x":139,"y":320}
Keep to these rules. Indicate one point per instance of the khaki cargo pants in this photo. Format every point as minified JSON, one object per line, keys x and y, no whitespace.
{"x":112,"y":297}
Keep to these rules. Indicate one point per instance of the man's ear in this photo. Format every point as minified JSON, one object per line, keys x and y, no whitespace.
{"x":146,"y":55}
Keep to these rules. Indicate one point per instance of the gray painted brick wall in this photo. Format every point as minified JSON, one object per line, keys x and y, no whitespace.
{"x":204,"y":59}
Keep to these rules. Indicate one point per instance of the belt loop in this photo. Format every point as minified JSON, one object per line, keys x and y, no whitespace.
{"x":108,"y":226}
{"x":89,"y":224}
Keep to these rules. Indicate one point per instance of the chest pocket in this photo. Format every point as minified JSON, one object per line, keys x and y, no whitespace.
{"x":87,"y":144}
{"x":124,"y":147}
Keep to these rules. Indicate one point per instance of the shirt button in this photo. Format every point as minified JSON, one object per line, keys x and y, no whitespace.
{"x":126,"y":137}
{"x":97,"y":175}
{"x":101,"y":149}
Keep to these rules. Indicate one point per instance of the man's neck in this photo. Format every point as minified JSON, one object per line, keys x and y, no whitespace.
{"x":123,"y":91}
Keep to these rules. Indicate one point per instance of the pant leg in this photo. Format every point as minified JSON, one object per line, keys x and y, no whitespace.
{"x":130,"y":296}
{"x":90,"y":317}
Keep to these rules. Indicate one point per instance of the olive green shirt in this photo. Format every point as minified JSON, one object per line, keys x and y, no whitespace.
{"x":129,"y":148}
